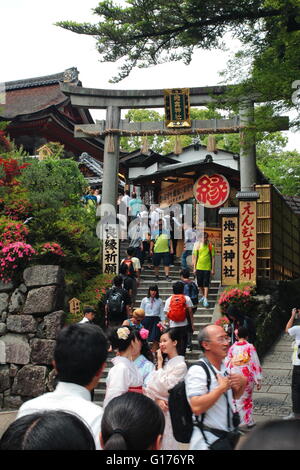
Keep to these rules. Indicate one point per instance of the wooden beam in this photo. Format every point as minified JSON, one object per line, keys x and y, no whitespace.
{"x":126,"y":128}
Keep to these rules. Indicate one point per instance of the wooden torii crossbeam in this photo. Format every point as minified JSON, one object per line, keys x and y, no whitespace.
{"x":113,"y":127}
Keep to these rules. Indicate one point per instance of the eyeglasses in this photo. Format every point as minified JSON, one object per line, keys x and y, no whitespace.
{"x":222,"y":340}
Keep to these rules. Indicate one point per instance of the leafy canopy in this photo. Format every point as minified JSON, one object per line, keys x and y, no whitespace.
{"x":149,"y":32}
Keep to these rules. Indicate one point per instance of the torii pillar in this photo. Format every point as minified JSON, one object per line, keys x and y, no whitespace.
{"x":248,"y":149}
{"x":111,"y":159}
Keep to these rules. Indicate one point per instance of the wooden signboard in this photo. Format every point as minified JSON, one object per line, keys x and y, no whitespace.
{"x":176,"y":193}
{"x":229,"y":250}
{"x":247,"y":241}
{"x":177,"y":107}
{"x":110,"y":249}
{"x":74,"y":305}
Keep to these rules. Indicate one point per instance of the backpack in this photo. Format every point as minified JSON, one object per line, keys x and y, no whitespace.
{"x":180,"y":410}
{"x":115,"y":303}
{"x":192,"y":291}
{"x":177,"y":309}
{"x":129,"y":263}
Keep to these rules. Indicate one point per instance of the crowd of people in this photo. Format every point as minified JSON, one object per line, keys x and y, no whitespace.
{"x":136,"y":414}
{"x":149,"y":345}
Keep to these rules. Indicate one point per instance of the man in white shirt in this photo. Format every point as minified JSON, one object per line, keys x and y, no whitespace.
{"x":215,"y":403}
{"x":294,"y":330}
{"x":187,"y":308}
{"x":89,"y":315}
{"x":79,"y":359}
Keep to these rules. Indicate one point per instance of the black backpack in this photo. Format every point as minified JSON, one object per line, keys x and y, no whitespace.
{"x":191,"y":289}
{"x":180,"y":410}
{"x":115,"y":303}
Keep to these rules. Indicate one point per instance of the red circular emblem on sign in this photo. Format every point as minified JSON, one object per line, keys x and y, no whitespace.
{"x":211,"y":191}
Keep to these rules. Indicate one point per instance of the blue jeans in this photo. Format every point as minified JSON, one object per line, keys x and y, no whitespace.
{"x":184,"y":256}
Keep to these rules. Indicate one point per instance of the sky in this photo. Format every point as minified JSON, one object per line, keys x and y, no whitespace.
{"x":31,"y":46}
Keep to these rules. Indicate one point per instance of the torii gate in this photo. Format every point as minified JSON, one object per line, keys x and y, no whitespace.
{"x":115,"y":100}
{"x":113,"y":127}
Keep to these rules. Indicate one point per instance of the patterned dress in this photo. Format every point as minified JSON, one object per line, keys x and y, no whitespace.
{"x":242,"y":358}
{"x":158,"y":386}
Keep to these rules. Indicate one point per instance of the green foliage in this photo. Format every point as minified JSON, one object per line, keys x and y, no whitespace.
{"x":283,"y":170}
{"x":149,"y":32}
{"x":52,"y":183}
{"x":93,"y":295}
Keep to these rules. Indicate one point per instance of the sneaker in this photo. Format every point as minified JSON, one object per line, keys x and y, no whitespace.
{"x":201,"y":300}
{"x":168,"y":279}
{"x":205,"y":303}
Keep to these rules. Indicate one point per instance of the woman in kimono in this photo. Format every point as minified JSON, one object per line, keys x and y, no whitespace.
{"x":242,"y":358}
{"x":164,"y":378}
{"x":123,"y":376}
{"x":143,"y":357}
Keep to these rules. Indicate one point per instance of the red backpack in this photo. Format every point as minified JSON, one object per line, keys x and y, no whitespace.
{"x":177,"y":310}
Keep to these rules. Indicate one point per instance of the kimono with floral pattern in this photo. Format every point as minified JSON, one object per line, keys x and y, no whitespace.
{"x":242,"y":358}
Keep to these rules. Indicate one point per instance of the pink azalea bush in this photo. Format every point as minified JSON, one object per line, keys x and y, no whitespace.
{"x":13,"y":257}
{"x":12,"y":231}
{"x":51,"y":248}
{"x":223,"y":322}
{"x":239,"y":296}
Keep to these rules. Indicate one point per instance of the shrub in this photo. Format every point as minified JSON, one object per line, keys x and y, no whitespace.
{"x":14,"y":258}
{"x":223,"y":322}
{"x":93,"y":295}
{"x":240,"y":296}
{"x":12,"y":231}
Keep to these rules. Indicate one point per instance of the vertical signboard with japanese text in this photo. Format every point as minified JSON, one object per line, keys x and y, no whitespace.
{"x":110,"y":249}
{"x":247,"y":242}
{"x":229,"y":250}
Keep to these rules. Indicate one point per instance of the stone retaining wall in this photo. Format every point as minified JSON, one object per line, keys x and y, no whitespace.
{"x":31,"y":317}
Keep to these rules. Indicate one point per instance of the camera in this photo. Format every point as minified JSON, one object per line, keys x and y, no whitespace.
{"x":236,"y":420}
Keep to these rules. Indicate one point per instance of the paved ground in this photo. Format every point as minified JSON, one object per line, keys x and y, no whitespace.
{"x":273,"y":401}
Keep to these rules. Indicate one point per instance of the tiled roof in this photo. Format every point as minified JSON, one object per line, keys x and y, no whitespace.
{"x":96,"y":167}
{"x":70,"y":75}
{"x":30,"y":96}
{"x":294,"y":203}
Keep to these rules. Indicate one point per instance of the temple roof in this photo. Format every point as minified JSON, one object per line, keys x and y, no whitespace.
{"x":32,"y":95}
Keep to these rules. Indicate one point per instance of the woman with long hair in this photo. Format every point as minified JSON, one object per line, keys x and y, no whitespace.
{"x":123,"y":376}
{"x":154,"y":313}
{"x":167,"y":375}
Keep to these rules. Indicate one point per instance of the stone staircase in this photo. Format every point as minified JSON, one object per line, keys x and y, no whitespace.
{"x":202,"y":316}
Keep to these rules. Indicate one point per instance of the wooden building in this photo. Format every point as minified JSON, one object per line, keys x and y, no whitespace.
{"x":168,"y":180}
{"x":39,"y":112}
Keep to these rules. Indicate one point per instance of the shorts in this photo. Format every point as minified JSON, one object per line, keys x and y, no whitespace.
{"x":203,"y":278}
{"x":165,"y":257}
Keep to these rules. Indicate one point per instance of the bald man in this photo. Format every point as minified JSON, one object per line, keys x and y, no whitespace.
{"x":213,"y":396}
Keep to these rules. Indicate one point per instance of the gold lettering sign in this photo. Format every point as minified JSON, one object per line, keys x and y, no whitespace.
{"x":247,"y":241}
{"x":177,"y":107}
{"x":176,"y":193}
{"x":229,"y":251}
